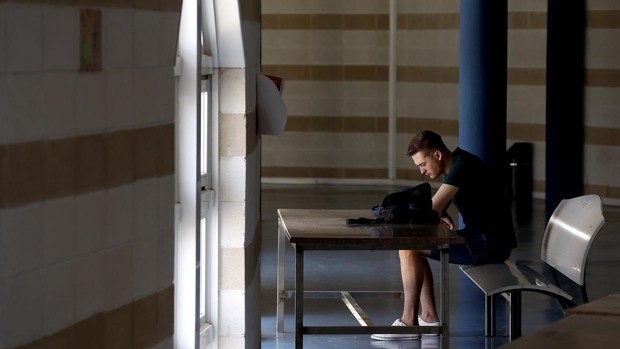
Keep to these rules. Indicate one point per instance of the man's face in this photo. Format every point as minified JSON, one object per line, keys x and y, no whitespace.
{"x":429,"y":163}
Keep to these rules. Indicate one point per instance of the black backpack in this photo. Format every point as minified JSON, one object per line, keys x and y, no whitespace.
{"x":411,"y":205}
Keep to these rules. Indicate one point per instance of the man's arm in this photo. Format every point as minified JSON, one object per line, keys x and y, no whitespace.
{"x":441,"y":201}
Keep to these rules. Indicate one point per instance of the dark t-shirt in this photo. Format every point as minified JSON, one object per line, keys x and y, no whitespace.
{"x":481,"y":199}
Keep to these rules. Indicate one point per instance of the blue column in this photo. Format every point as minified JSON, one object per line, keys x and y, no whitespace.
{"x":565,"y":83}
{"x":482,"y":79}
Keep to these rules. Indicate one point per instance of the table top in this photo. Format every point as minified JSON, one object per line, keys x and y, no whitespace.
{"x":607,"y":306}
{"x":328,"y":229}
{"x":575,"y":332}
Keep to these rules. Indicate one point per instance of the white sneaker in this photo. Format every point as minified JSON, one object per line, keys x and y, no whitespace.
{"x":424,"y":323}
{"x":396,"y":336}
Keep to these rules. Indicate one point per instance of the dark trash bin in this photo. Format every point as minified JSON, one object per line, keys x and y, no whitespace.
{"x":519,"y":158}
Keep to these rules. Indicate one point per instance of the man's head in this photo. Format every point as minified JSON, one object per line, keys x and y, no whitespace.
{"x":429,"y":153}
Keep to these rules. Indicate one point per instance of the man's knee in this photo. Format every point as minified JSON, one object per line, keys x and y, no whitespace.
{"x":411,"y":253}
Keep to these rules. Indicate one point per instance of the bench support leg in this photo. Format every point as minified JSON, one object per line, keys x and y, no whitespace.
{"x":515,"y":315}
{"x":489,"y":317}
{"x":584,"y":294}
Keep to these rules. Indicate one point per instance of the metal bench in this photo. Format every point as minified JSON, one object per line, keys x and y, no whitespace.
{"x":566,"y":242}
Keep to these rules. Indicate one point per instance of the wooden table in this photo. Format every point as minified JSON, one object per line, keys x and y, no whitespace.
{"x":587,"y":326}
{"x":327,"y":230}
{"x":574,"y":332}
{"x":605,"y":306}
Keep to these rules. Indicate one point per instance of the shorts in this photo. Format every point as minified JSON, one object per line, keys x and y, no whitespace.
{"x":478,"y":249}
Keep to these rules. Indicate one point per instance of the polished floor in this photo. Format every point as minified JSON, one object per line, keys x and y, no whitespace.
{"x":379,"y":270}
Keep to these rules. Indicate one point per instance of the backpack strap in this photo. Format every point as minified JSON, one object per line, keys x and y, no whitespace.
{"x":361,"y":220}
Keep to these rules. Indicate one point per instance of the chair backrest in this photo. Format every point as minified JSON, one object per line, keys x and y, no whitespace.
{"x":570,"y":233}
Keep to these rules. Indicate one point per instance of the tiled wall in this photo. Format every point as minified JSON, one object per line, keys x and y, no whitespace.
{"x":334,"y":57}
{"x":239,"y":185}
{"x":240,"y":234}
{"x":87,"y":176}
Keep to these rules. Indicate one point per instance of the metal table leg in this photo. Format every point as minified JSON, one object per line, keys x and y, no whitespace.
{"x":280,"y":279}
{"x":444,"y":298}
{"x":299,"y":297}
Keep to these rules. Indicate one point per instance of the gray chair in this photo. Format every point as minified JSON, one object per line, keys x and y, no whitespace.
{"x":566,"y":242}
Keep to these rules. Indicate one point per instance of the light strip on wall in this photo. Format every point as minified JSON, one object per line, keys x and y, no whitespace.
{"x":187,"y":257}
{"x":392,"y":109}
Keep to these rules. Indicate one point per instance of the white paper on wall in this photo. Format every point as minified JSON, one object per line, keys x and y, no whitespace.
{"x":270,"y":108}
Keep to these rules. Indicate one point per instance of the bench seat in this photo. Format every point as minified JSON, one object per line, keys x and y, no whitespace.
{"x":510,"y":279}
{"x":510,"y":276}
{"x":567,"y":240}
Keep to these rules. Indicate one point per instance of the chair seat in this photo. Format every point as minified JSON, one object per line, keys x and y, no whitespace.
{"x":511,"y":276}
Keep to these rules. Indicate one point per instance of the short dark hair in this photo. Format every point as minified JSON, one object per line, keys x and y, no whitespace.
{"x":426,"y":141}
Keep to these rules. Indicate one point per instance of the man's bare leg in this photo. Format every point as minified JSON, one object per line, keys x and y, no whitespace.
{"x":428,"y":311}
{"x":412,"y":271}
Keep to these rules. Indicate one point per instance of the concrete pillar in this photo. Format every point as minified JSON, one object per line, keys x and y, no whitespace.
{"x":482,"y":79}
{"x":565,"y":110}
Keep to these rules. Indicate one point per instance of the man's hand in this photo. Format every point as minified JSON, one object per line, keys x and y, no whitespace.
{"x":446,"y":220}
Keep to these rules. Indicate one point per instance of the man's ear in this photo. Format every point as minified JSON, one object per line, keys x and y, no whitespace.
{"x":438,"y":154}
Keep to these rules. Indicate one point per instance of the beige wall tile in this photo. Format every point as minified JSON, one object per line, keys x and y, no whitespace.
{"x":526,"y":104}
{"x":148,"y":5}
{"x":602,"y":136}
{"x":527,"y":48}
{"x":375,"y":90}
{"x":527,"y":5}
{"x":438,"y":101}
{"x":527,"y":76}
{"x":360,"y":124}
{"x":530,"y":132}
{"x":298,"y":123}
{"x":294,"y":21}
{"x":59,"y":168}
{"x":361,"y":22}
{"x":146,"y":152}
{"x":118,"y":328}
{"x":119,"y":158}
{"x":284,"y":55}
{"x":90,"y":163}
{"x":603,"y":18}
{"x":602,"y":77}
{"x":322,"y":56}
{"x":232,"y":135}
{"x":3,"y":188}
{"x":171,"y":5}
{"x":89,"y":333}
{"x":230,"y":342}
{"x":22,"y":168}
{"x":165,"y":319}
{"x":232,"y":321}
{"x":140,"y":324}
{"x":232,"y":226}
{"x":430,"y":6}
{"x":145,"y":313}
{"x":428,"y":48}
{"x":233,"y":179}
{"x":601,"y":50}
{"x":166,"y":147}
{"x":232,"y":82}
{"x":527,"y":20}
